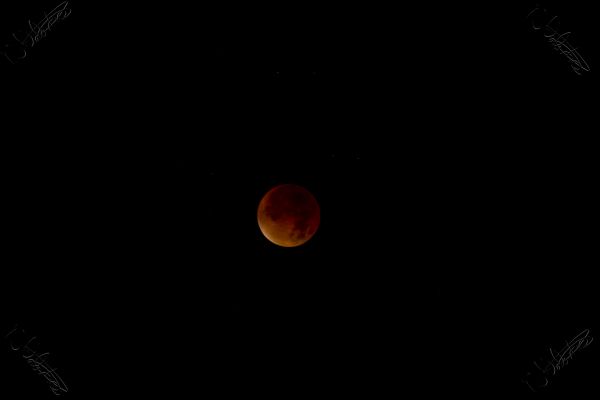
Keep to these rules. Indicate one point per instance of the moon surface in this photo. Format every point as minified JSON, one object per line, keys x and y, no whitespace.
{"x":288,"y":215}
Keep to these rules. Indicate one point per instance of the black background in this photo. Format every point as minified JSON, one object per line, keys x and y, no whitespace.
{"x":451,"y":148}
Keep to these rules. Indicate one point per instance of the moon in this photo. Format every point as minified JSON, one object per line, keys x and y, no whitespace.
{"x":288,"y":215}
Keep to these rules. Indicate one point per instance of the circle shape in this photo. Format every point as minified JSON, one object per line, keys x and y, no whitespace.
{"x":288,"y":215}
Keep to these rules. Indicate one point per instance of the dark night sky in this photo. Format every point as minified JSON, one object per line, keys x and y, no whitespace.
{"x":451,"y":149}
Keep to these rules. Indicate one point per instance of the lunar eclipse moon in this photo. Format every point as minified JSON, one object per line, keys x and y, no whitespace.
{"x":288,"y":215}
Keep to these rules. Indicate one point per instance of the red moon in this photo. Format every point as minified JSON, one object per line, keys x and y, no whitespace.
{"x":288,"y":215}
